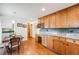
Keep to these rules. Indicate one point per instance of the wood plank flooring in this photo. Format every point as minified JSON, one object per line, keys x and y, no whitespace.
{"x":30,"y":47}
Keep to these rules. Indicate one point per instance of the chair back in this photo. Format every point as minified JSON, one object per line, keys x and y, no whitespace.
{"x":15,"y":41}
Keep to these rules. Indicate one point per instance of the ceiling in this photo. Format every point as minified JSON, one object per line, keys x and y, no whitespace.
{"x":30,"y":10}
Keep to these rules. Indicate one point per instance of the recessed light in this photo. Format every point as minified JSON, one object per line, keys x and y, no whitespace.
{"x":13,"y":21}
{"x":43,"y":9}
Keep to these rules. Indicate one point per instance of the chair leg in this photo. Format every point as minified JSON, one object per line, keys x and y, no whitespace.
{"x":18,"y":49}
{"x":11,"y":51}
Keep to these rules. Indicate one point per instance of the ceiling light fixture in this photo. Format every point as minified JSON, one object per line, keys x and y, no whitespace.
{"x":43,"y":9}
{"x":13,"y":21}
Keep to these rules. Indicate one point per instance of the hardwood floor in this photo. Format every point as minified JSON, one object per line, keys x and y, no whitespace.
{"x":30,"y":47}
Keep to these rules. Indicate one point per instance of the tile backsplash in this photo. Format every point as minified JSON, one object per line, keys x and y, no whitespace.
{"x":60,"y":30}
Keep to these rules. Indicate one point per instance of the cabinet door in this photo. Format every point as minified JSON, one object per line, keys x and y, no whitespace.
{"x":56,"y":45}
{"x":40,"y":20}
{"x":52,"y":21}
{"x":50,"y":42}
{"x":69,"y":45}
{"x":61,"y":19}
{"x":46,"y":21}
{"x":72,"y":48}
{"x":62,"y":47}
{"x":73,"y":16}
{"x":75,"y":48}
{"x":68,"y":49}
{"x":46,"y":41}
{"x":43,"y":41}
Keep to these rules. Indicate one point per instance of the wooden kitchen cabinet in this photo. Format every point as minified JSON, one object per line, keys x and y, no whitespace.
{"x":41,"y":20}
{"x":52,"y":21}
{"x":50,"y":42}
{"x":44,"y":41}
{"x":75,"y":47}
{"x":61,"y":19}
{"x":73,"y":16}
{"x":65,"y":18}
{"x":72,"y":48}
{"x":46,"y":21}
{"x":62,"y":46}
{"x":56,"y":44}
{"x":68,"y":48}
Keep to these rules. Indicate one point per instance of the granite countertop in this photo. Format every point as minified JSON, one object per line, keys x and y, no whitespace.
{"x":66,"y":35}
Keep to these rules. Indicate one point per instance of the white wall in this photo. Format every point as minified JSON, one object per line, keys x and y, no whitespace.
{"x":7,"y":23}
{"x":0,"y":33}
{"x":34,"y":28}
{"x":20,"y":30}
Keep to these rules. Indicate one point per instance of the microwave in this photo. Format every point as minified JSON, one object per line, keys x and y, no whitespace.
{"x":41,"y":25}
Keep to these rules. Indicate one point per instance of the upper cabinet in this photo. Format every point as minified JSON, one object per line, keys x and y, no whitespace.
{"x":73,"y":16}
{"x":40,"y":23}
{"x":52,"y":21}
{"x":65,"y":18}
{"x":46,"y":21}
{"x":61,"y":19}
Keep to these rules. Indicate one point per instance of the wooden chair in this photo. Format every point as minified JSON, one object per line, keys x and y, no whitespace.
{"x":14,"y":44}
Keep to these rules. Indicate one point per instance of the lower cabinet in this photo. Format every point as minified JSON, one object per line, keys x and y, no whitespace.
{"x":72,"y":49}
{"x":62,"y":48}
{"x":56,"y":45}
{"x":69,"y":48}
{"x":44,"y":41}
{"x":50,"y":42}
{"x":61,"y":45}
{"x":76,"y":49}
